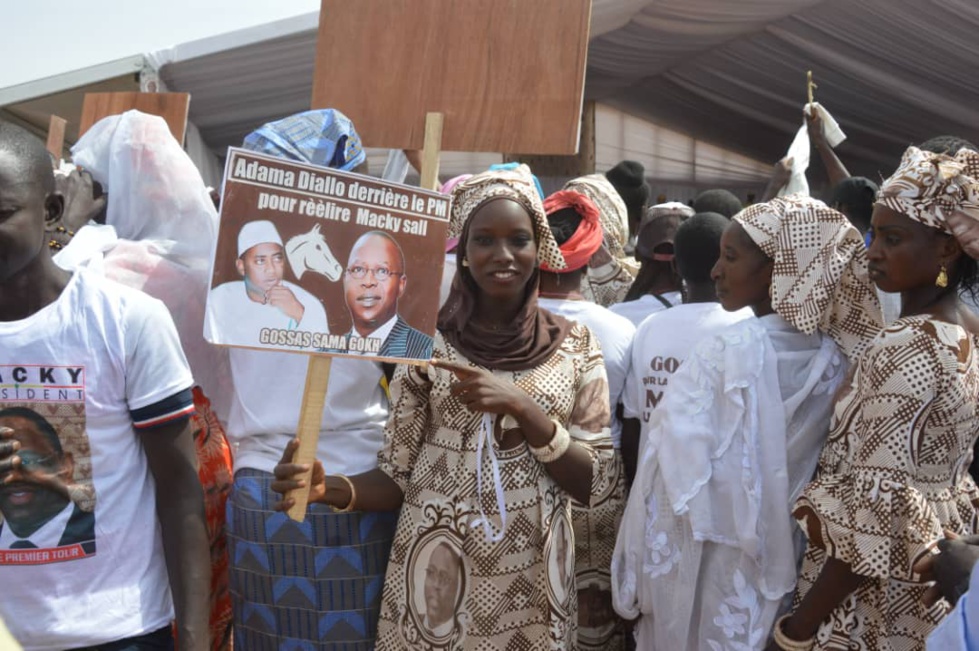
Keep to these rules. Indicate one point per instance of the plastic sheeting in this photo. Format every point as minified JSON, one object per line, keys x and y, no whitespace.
{"x":166,"y":226}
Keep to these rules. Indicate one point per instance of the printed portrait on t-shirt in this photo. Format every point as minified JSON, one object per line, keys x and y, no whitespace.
{"x":47,"y":502}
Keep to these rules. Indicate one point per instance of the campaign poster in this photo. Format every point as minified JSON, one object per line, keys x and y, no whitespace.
{"x":47,"y":503}
{"x":314,"y":260}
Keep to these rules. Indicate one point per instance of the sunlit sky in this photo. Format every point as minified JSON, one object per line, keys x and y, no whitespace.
{"x":49,"y":37}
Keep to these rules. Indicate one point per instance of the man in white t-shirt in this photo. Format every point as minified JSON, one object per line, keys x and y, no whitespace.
{"x":664,"y":339}
{"x":97,"y":459}
{"x":238,"y":311}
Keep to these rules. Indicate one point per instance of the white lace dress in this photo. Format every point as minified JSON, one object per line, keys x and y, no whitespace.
{"x":708,"y":553}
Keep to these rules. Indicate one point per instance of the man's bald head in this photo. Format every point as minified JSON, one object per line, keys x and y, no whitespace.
{"x":384,"y":238}
{"x":32,"y":159}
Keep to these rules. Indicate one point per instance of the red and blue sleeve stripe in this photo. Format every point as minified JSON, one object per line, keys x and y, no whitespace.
{"x":176,"y":408}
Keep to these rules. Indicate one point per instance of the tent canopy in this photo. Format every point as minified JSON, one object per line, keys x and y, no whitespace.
{"x":892,"y":72}
{"x":731,"y":75}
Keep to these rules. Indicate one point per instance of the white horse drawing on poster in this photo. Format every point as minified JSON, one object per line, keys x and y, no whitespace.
{"x":309,"y":252}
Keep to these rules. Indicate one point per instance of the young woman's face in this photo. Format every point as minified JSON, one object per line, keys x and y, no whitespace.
{"x":905,"y":254}
{"x":501,"y":250}
{"x":743,"y":274}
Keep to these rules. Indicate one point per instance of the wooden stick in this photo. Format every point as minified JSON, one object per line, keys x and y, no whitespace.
{"x":56,"y":136}
{"x":310,"y":420}
{"x":810,"y":86}
{"x":432,"y":150}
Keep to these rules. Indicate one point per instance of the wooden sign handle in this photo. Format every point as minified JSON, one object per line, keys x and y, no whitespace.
{"x":56,"y":136}
{"x":432,"y":151}
{"x":310,"y":420}
{"x":318,"y":369}
{"x":810,"y":86}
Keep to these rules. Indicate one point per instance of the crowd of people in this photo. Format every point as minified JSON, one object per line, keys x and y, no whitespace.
{"x":658,"y":427}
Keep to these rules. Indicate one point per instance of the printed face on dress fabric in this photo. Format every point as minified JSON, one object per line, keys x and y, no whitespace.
{"x":374,"y":281}
{"x":743,"y":274}
{"x":443,"y":578}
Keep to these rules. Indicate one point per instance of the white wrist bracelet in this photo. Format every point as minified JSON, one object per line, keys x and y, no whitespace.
{"x":555,"y":448}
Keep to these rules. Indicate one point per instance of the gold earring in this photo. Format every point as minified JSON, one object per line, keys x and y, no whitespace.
{"x":465,"y":263}
{"x":942,"y":280}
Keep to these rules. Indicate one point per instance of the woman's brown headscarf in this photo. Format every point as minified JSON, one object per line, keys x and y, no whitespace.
{"x":820,"y":277}
{"x":535,"y":333}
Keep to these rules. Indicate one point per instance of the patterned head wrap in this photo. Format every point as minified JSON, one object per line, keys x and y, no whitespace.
{"x":819,"y":279}
{"x":930,"y":188}
{"x":614,"y":214}
{"x":322,"y":137}
{"x":516,"y":184}
{"x":578,"y":249}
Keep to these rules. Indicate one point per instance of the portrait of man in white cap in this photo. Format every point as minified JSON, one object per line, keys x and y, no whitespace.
{"x":238,"y":311}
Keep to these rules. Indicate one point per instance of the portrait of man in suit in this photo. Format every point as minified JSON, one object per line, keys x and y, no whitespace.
{"x":373,"y":281}
{"x":35,"y":497}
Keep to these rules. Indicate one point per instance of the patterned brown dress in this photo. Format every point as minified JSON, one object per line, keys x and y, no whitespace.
{"x":893,"y":474}
{"x":449,"y":584}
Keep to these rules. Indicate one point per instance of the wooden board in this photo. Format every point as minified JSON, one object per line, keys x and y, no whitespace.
{"x":565,"y":167}
{"x":172,"y":107}
{"x":56,"y":136}
{"x":508,"y":75}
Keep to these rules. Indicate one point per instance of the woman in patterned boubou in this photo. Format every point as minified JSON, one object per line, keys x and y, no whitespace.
{"x":707,"y":552}
{"x":893,"y":475}
{"x":487,"y":445}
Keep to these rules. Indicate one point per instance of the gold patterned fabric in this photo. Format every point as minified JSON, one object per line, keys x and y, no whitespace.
{"x":595,"y":530}
{"x":609,"y":283}
{"x":929,"y":187}
{"x":819,"y":280}
{"x":516,"y":592}
{"x":614,"y":214}
{"x":892,"y":476}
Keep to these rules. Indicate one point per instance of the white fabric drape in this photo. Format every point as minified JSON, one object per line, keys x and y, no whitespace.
{"x":799,"y":149}
{"x":707,"y":550}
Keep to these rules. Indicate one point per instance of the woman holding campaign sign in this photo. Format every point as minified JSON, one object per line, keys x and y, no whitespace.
{"x":486,"y":447}
{"x":314,"y":584}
